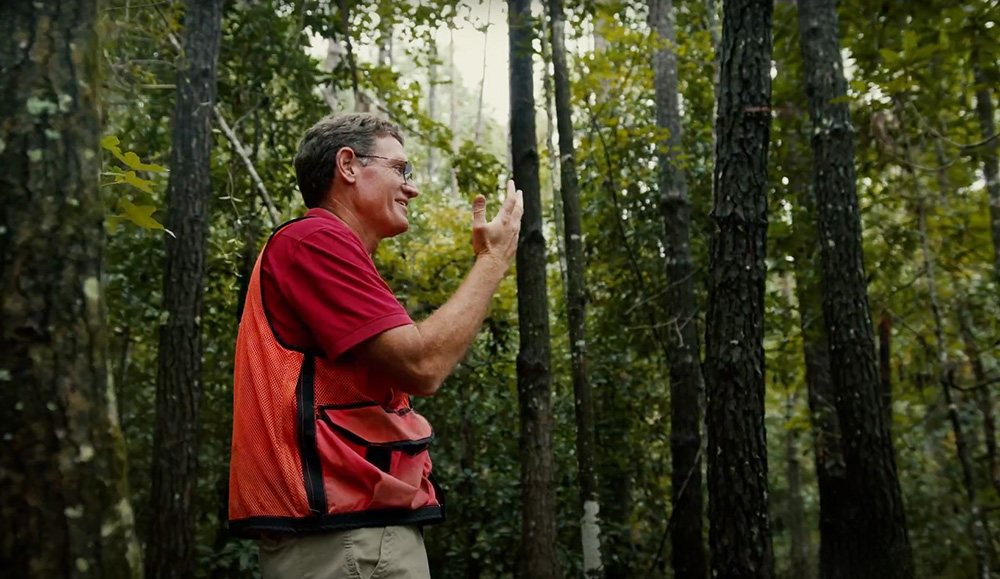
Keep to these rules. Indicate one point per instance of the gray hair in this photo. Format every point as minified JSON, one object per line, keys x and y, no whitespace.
{"x":315,"y":162}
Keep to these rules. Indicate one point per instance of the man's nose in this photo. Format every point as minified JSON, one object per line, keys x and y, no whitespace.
{"x":410,"y":189}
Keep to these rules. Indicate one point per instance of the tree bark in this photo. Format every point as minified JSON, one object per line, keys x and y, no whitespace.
{"x":576,"y":299}
{"x":879,"y":544}
{"x":170,"y":550}
{"x":740,"y":525}
{"x":453,"y":112}
{"x":539,"y":559}
{"x":796,"y":506}
{"x":553,"y":154}
{"x":64,"y":506}
{"x":837,"y":509}
{"x":477,"y":136}
{"x":684,"y":349}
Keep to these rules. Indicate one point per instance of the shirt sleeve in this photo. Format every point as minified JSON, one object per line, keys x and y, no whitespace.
{"x":331,"y":285}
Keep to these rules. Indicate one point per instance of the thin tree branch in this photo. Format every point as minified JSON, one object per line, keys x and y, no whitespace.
{"x":241,"y":152}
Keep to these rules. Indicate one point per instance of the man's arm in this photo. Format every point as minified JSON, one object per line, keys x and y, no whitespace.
{"x":419,"y":357}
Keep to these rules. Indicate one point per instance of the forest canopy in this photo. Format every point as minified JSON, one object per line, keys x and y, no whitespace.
{"x":752,"y":330}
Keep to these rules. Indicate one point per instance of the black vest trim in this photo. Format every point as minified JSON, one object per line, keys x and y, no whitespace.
{"x":254,"y":527}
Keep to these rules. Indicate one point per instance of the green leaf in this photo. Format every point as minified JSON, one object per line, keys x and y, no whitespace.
{"x":135,"y":163}
{"x":111,"y":223}
{"x":111,"y":143}
{"x":130,"y":159}
{"x":141,"y":215}
{"x":889,"y":57}
{"x":141,"y":184}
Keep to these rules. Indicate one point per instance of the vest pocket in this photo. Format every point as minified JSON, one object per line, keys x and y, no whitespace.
{"x":374,"y":458}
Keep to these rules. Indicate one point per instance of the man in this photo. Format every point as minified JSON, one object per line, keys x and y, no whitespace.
{"x":330,"y":467}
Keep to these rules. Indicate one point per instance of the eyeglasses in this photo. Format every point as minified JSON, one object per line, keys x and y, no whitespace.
{"x":405,"y":170}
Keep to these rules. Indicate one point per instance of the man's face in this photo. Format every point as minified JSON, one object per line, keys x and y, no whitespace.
{"x":383,"y":193}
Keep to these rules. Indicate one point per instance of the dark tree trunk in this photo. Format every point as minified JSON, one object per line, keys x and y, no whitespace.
{"x":796,"y":507}
{"x":553,"y":154}
{"x":684,"y":351}
{"x":64,"y":509}
{"x":576,"y":299}
{"x":171,"y":540}
{"x":879,"y":544}
{"x":837,"y":509}
{"x":539,"y":558}
{"x":740,"y":525}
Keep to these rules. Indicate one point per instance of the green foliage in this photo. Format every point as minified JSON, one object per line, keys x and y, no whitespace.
{"x":910,"y":76}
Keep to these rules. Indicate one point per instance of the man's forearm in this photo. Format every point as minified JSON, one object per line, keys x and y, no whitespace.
{"x":449,"y":331}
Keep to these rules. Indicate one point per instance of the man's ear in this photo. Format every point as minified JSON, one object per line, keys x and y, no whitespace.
{"x":345,"y":164}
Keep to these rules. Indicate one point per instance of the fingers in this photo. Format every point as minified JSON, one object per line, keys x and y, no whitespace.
{"x":514,"y":204}
{"x":508,"y":203}
{"x":479,"y":211}
{"x":518,"y":206}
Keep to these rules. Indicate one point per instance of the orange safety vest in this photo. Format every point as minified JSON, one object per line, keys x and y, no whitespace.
{"x":311,"y":451}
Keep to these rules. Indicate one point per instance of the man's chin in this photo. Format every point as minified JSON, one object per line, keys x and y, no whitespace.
{"x":402,"y":228}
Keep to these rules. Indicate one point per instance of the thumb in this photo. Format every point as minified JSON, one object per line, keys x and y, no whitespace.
{"x":479,"y":211}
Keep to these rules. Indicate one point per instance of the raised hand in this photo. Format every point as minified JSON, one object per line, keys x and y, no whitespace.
{"x":498,"y":238}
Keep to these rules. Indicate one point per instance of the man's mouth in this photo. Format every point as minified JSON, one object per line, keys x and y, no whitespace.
{"x":402,"y":203}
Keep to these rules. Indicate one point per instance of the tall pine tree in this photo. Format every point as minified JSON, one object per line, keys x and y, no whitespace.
{"x":171,"y":542}
{"x":576,"y":298}
{"x":740,"y":526}
{"x":684,"y":351}
{"x":879,"y":546}
{"x":539,"y":559}
{"x":64,"y":509}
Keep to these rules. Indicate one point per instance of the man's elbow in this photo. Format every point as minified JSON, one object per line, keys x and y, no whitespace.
{"x":423,"y":380}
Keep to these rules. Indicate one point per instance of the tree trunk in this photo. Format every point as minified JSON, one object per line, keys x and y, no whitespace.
{"x":576,"y":299}
{"x":539,"y":559}
{"x":478,"y":135}
{"x":550,"y":128}
{"x":837,"y":509}
{"x":740,"y":525}
{"x":796,"y":508}
{"x":170,"y":549}
{"x":879,"y":546}
{"x":453,"y":112}
{"x":684,"y":350}
{"x":64,"y":506}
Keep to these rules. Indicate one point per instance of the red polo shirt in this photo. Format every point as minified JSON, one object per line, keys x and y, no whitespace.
{"x":320,"y":288}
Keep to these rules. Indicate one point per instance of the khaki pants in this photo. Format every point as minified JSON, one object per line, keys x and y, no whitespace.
{"x":372,"y":553}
